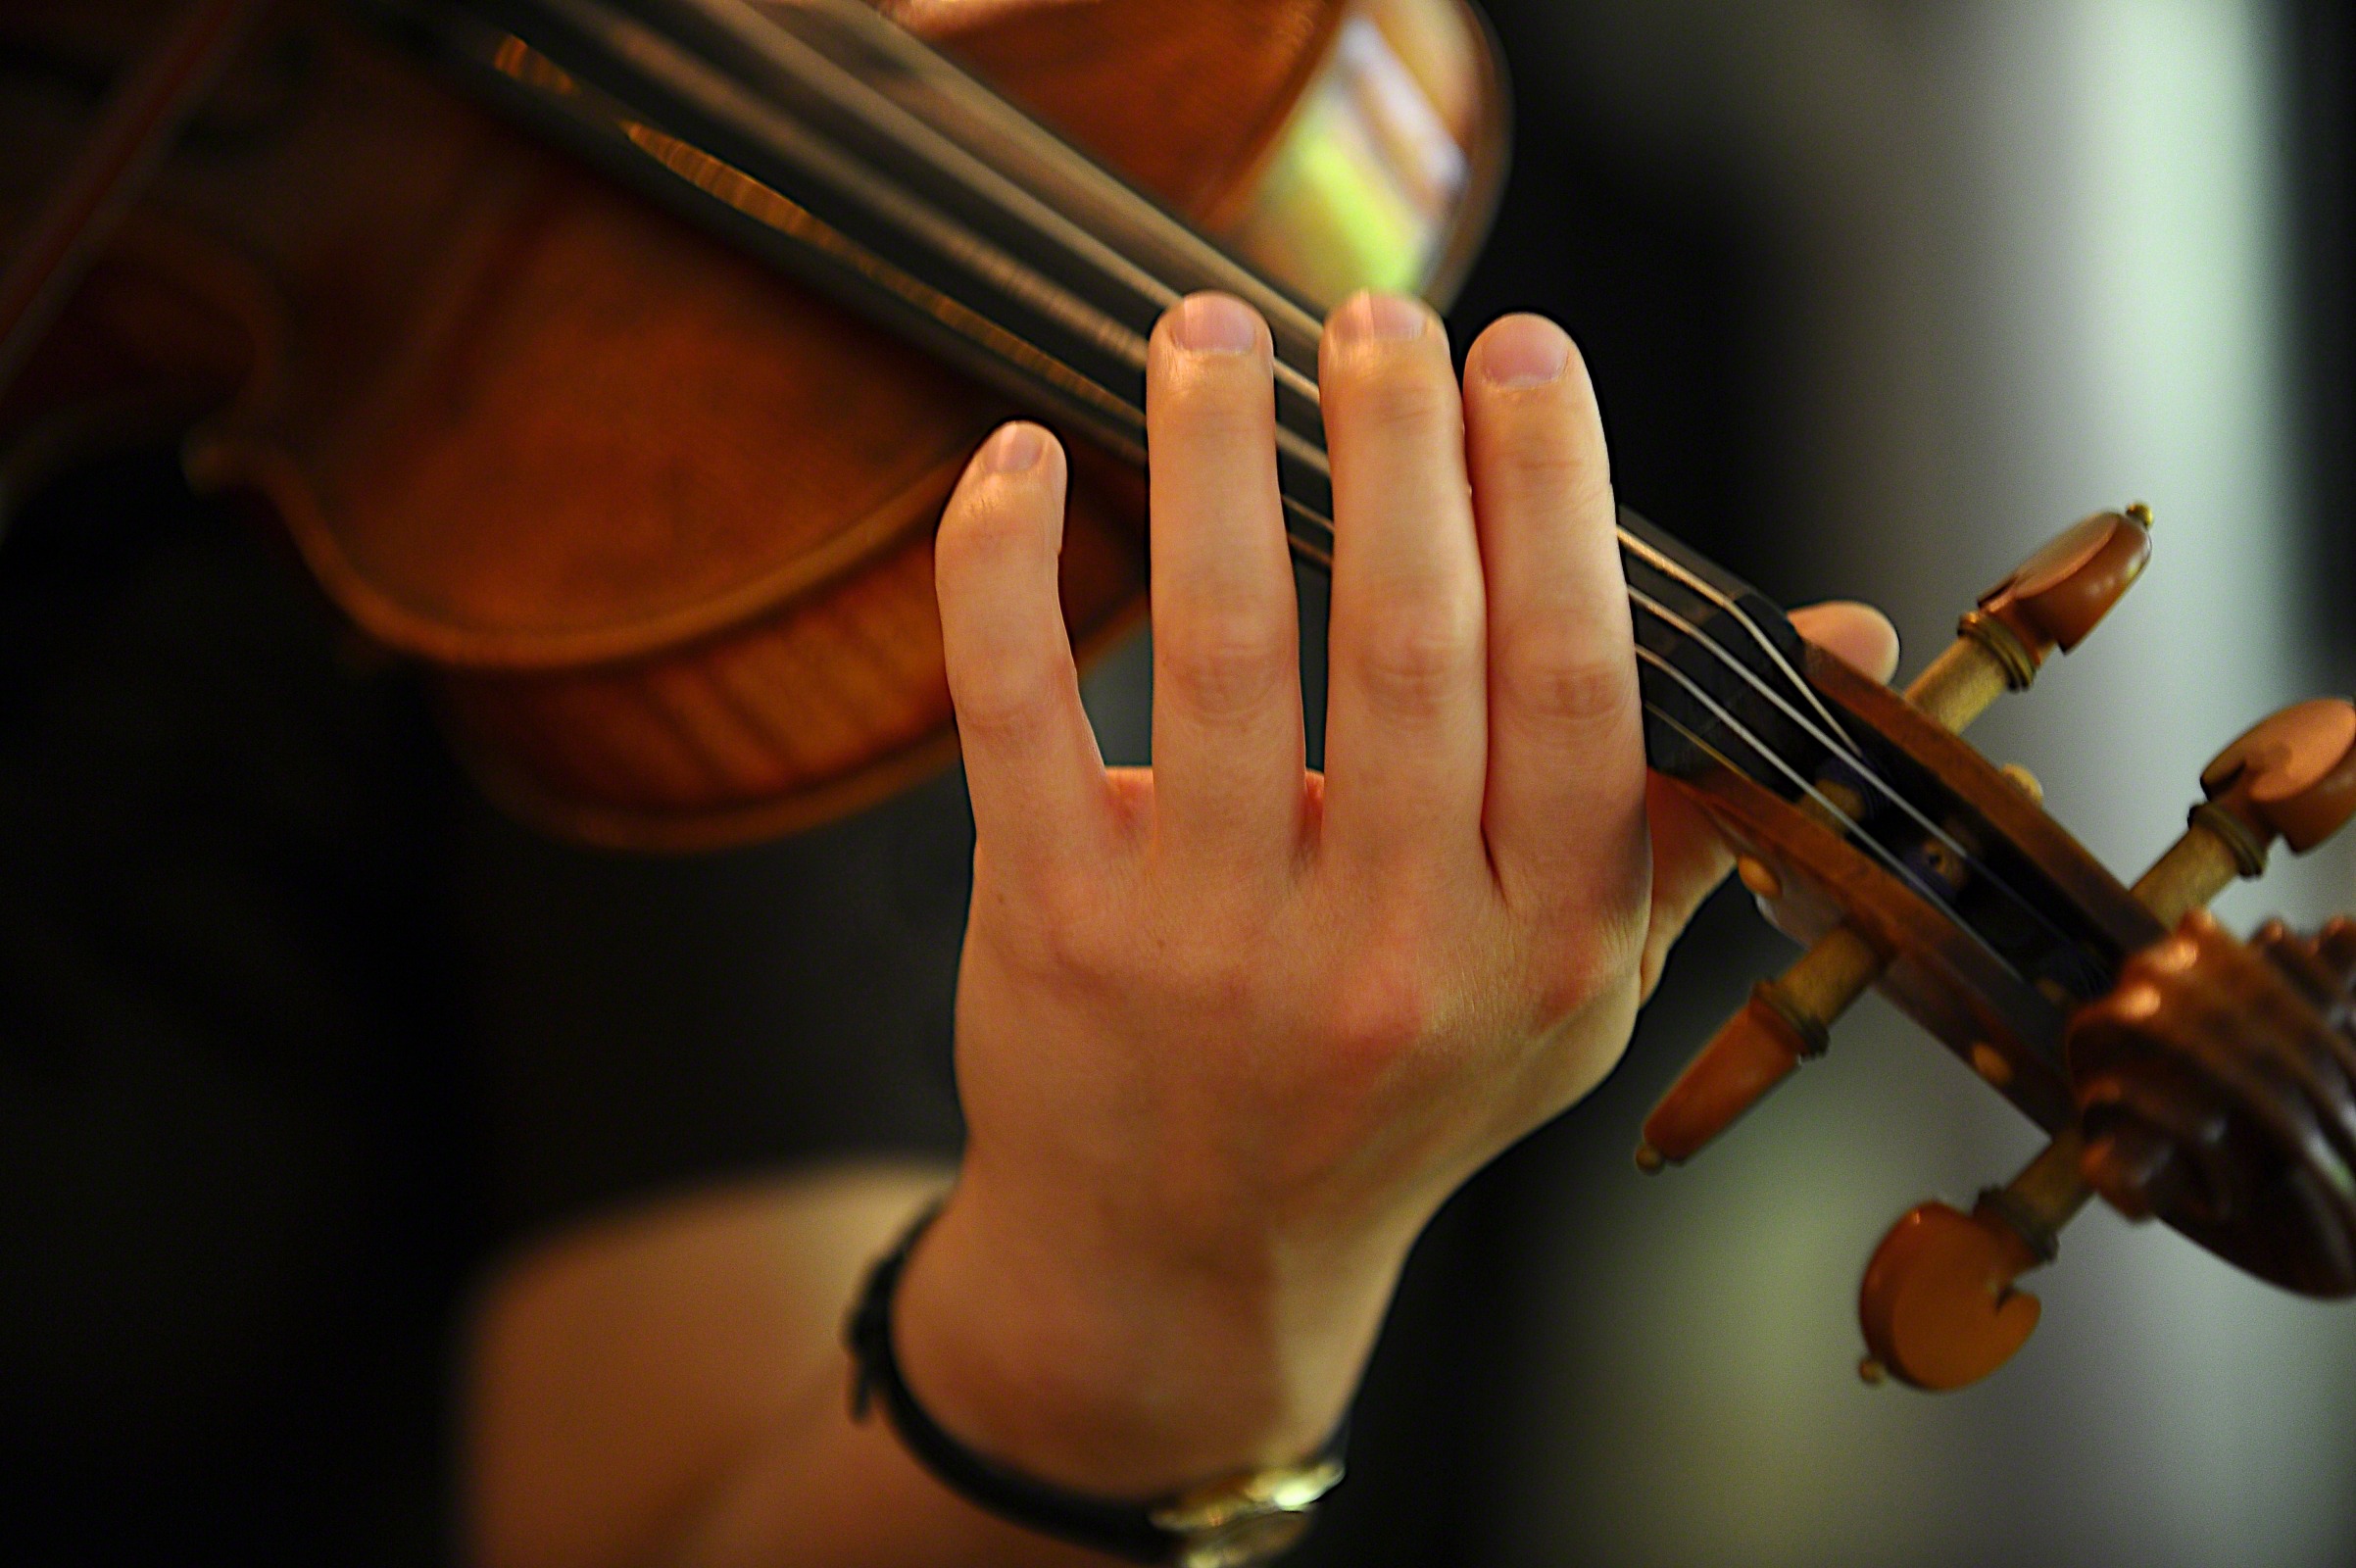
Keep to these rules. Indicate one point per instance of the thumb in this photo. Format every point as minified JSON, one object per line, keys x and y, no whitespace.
{"x":1689,"y":859}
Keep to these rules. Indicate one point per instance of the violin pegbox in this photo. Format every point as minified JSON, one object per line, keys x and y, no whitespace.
{"x":2052,"y":601}
{"x":2180,"y":1072}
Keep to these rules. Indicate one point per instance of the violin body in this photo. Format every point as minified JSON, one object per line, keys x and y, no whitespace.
{"x":659,"y":517}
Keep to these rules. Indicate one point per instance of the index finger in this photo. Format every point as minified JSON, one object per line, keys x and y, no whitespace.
{"x":1038,"y":783}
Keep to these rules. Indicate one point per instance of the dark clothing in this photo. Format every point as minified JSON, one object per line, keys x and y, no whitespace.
{"x":296,"y":1035}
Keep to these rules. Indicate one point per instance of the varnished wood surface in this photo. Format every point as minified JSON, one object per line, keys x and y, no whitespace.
{"x":1937,"y":975}
{"x":1196,"y":90}
{"x":662,"y":517}
{"x":2218,"y":1087}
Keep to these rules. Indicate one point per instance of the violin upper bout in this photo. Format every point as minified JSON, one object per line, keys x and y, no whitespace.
{"x":1334,"y":144}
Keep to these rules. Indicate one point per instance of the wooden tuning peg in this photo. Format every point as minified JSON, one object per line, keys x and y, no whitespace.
{"x":2290,"y":777}
{"x":2052,"y":599}
{"x":1786,"y":1021}
{"x":1939,"y":1304}
{"x":2167,"y":1122}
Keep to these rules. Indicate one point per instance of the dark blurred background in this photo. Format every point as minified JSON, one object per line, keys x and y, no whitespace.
{"x":1878,"y":294}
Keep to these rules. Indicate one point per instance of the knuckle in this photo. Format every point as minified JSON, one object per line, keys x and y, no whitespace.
{"x":1212,"y":977}
{"x":1068,"y":938}
{"x":1546,"y":680}
{"x":1389,"y":394}
{"x":1226,"y":399}
{"x":1395,"y":994}
{"x":1420,"y":659}
{"x":1547,"y":470}
{"x":1000,"y":697}
{"x":1605,"y":957}
{"x":986,"y":530}
{"x":1385,"y":1015}
{"x":1224,"y":663}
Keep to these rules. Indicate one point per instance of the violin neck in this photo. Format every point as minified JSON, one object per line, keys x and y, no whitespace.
{"x":848,"y":154}
{"x":843,"y":150}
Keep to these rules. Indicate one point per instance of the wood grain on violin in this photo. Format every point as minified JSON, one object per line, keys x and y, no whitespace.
{"x":660,"y":516}
{"x":654,"y":498}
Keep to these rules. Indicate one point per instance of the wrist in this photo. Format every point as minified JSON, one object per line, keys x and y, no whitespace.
{"x":1077,"y":1350}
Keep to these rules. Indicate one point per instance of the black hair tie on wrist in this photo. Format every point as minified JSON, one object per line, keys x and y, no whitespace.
{"x":1231,"y":1527}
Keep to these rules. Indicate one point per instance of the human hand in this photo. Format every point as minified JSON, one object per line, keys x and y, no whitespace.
{"x":1230,"y":1031}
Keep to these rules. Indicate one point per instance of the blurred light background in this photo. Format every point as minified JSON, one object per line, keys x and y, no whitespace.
{"x":1879,"y":294}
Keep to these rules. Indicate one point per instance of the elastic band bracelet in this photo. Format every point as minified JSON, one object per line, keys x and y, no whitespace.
{"x":1233,"y":1523}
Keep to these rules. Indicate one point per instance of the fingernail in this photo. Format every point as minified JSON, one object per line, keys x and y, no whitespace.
{"x":1214,"y":323}
{"x":1014,"y":449}
{"x":1524,"y":351}
{"x":1385,"y":318}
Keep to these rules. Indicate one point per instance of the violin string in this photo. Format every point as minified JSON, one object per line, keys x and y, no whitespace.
{"x":1722,"y":760}
{"x":1937,"y":834}
{"x":1057,"y":302}
{"x":901,"y":209}
{"x":1718,"y":756}
{"x":853,"y":95}
{"x":1834,"y":737}
{"x":1898,"y":865}
{"x":1837,"y":743}
{"x":814,"y":72}
{"x":1661,"y":561}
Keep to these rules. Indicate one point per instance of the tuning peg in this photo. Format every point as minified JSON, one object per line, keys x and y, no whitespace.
{"x":1785,"y":1022}
{"x":2153,"y":1067}
{"x":2052,"y":599}
{"x":1939,"y":1305}
{"x":2291,"y":777}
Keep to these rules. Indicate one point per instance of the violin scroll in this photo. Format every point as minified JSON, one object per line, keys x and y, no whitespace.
{"x":2182,"y":1073}
{"x":2217,"y":1089}
{"x":2214,"y":1086}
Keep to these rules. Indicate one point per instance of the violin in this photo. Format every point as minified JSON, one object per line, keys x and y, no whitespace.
{"x":614,"y":362}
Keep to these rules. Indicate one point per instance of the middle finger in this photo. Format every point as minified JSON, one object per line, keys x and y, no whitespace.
{"x":1406,"y":732}
{"x":1227,"y":728}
